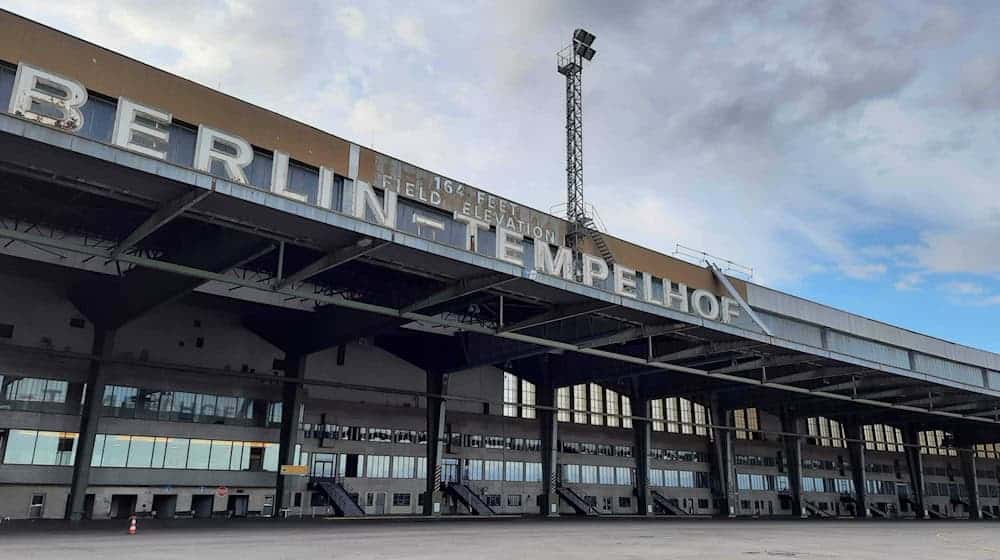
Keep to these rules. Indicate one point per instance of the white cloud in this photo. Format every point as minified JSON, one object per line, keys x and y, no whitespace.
{"x":410,"y":32}
{"x":353,"y":21}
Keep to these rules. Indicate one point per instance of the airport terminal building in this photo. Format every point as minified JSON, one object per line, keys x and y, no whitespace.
{"x":208,"y":309}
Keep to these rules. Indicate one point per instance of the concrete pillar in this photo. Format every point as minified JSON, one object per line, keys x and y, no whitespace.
{"x":915,"y":467}
{"x":291,"y":417}
{"x":856,"y":449}
{"x":437,"y":386}
{"x":721,"y":461}
{"x":967,"y":457}
{"x":793,"y":458}
{"x":642,"y":431}
{"x":548,"y":427}
{"x":90,"y":415}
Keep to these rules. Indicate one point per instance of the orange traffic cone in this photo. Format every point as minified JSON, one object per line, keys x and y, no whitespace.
{"x":131,"y":525}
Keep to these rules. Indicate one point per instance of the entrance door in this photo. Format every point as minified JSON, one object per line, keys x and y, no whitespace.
{"x":238,"y":505}
{"x":88,"y":506}
{"x":122,"y":506}
{"x":165,"y":505}
{"x":268,"y":509}
{"x":201,"y":505}
{"x":380,"y":503}
{"x":449,"y":471}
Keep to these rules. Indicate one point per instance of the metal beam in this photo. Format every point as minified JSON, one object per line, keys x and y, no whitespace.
{"x":559,"y":313}
{"x":775,"y":361}
{"x":331,"y":260}
{"x":206,"y":275}
{"x":812,"y":374}
{"x":724,"y":280}
{"x":709,"y":349}
{"x":161,"y":217}
{"x":458,"y":290}
{"x":631,"y":334}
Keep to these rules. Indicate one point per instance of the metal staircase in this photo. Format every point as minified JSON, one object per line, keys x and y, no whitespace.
{"x":469,"y":498}
{"x":601,"y":244}
{"x":339,"y":498}
{"x":877,"y":512}
{"x":670,"y":507}
{"x":582,"y":507}
{"x":815,"y":511}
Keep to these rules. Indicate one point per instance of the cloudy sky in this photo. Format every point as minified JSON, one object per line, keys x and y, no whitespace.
{"x":847,"y":151}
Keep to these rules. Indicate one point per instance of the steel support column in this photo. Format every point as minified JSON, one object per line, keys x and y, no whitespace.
{"x":642,"y":434}
{"x":856,"y":449}
{"x":548,"y":426}
{"x":437,"y":386}
{"x":790,"y":424}
{"x":721,"y":460}
{"x":915,"y":468}
{"x":90,"y":415}
{"x":291,"y":411}
{"x":967,"y":457}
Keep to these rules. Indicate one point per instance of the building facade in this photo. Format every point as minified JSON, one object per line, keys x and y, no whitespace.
{"x":207,"y":309}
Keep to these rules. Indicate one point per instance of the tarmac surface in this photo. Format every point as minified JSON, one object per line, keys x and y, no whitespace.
{"x":487,"y":539}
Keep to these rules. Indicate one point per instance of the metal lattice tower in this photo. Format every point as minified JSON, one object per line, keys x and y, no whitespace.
{"x":570,"y":64}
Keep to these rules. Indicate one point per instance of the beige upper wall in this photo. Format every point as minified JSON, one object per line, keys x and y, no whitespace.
{"x":115,"y":75}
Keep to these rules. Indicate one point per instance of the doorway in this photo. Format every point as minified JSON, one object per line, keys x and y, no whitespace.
{"x":122,"y":506}
{"x":238,"y":505}
{"x":449,"y":471}
{"x":164,"y":505}
{"x":380,"y":503}
{"x":201,"y":505}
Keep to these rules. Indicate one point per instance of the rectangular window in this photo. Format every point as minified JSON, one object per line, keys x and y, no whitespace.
{"x":580,"y":404}
{"x":596,"y":405}
{"x":509,"y":394}
{"x":140,"y":452}
{"x":532,"y":472}
{"x":378,"y":466}
{"x":686,"y":420}
{"x":626,"y":412}
{"x":563,"y":404}
{"x":514,"y":500}
{"x":611,"y":402}
{"x":588,"y":474}
{"x":528,"y":400}
{"x":671,"y":415}
{"x":623,"y":476}
{"x":199,"y":451}
{"x":493,"y":470}
{"x":701,"y":420}
{"x":115,"y":451}
{"x":606,"y":475}
{"x":20,"y":447}
{"x":175,"y":453}
{"x":474,"y":469}
{"x":515,"y":471}
{"x":402,"y":467}
{"x":221,"y":455}
{"x":571,"y":474}
{"x":400,"y":500}
{"x":657,"y":409}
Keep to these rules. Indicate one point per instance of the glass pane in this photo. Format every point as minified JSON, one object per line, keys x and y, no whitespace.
{"x":175,"y":454}
{"x":20,"y":447}
{"x":140,"y":452}
{"x":46,"y":448}
{"x":271,"y":457}
{"x":221,"y":454}
{"x":159,"y":451}
{"x":115,"y":451}
{"x":198,"y":452}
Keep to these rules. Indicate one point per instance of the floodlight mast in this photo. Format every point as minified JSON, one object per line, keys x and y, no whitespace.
{"x":570,"y":64}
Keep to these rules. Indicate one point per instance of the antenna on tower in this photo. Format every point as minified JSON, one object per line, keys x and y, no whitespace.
{"x":570,"y":64}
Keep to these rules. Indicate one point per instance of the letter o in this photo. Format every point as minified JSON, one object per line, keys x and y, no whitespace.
{"x":697,"y":300}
